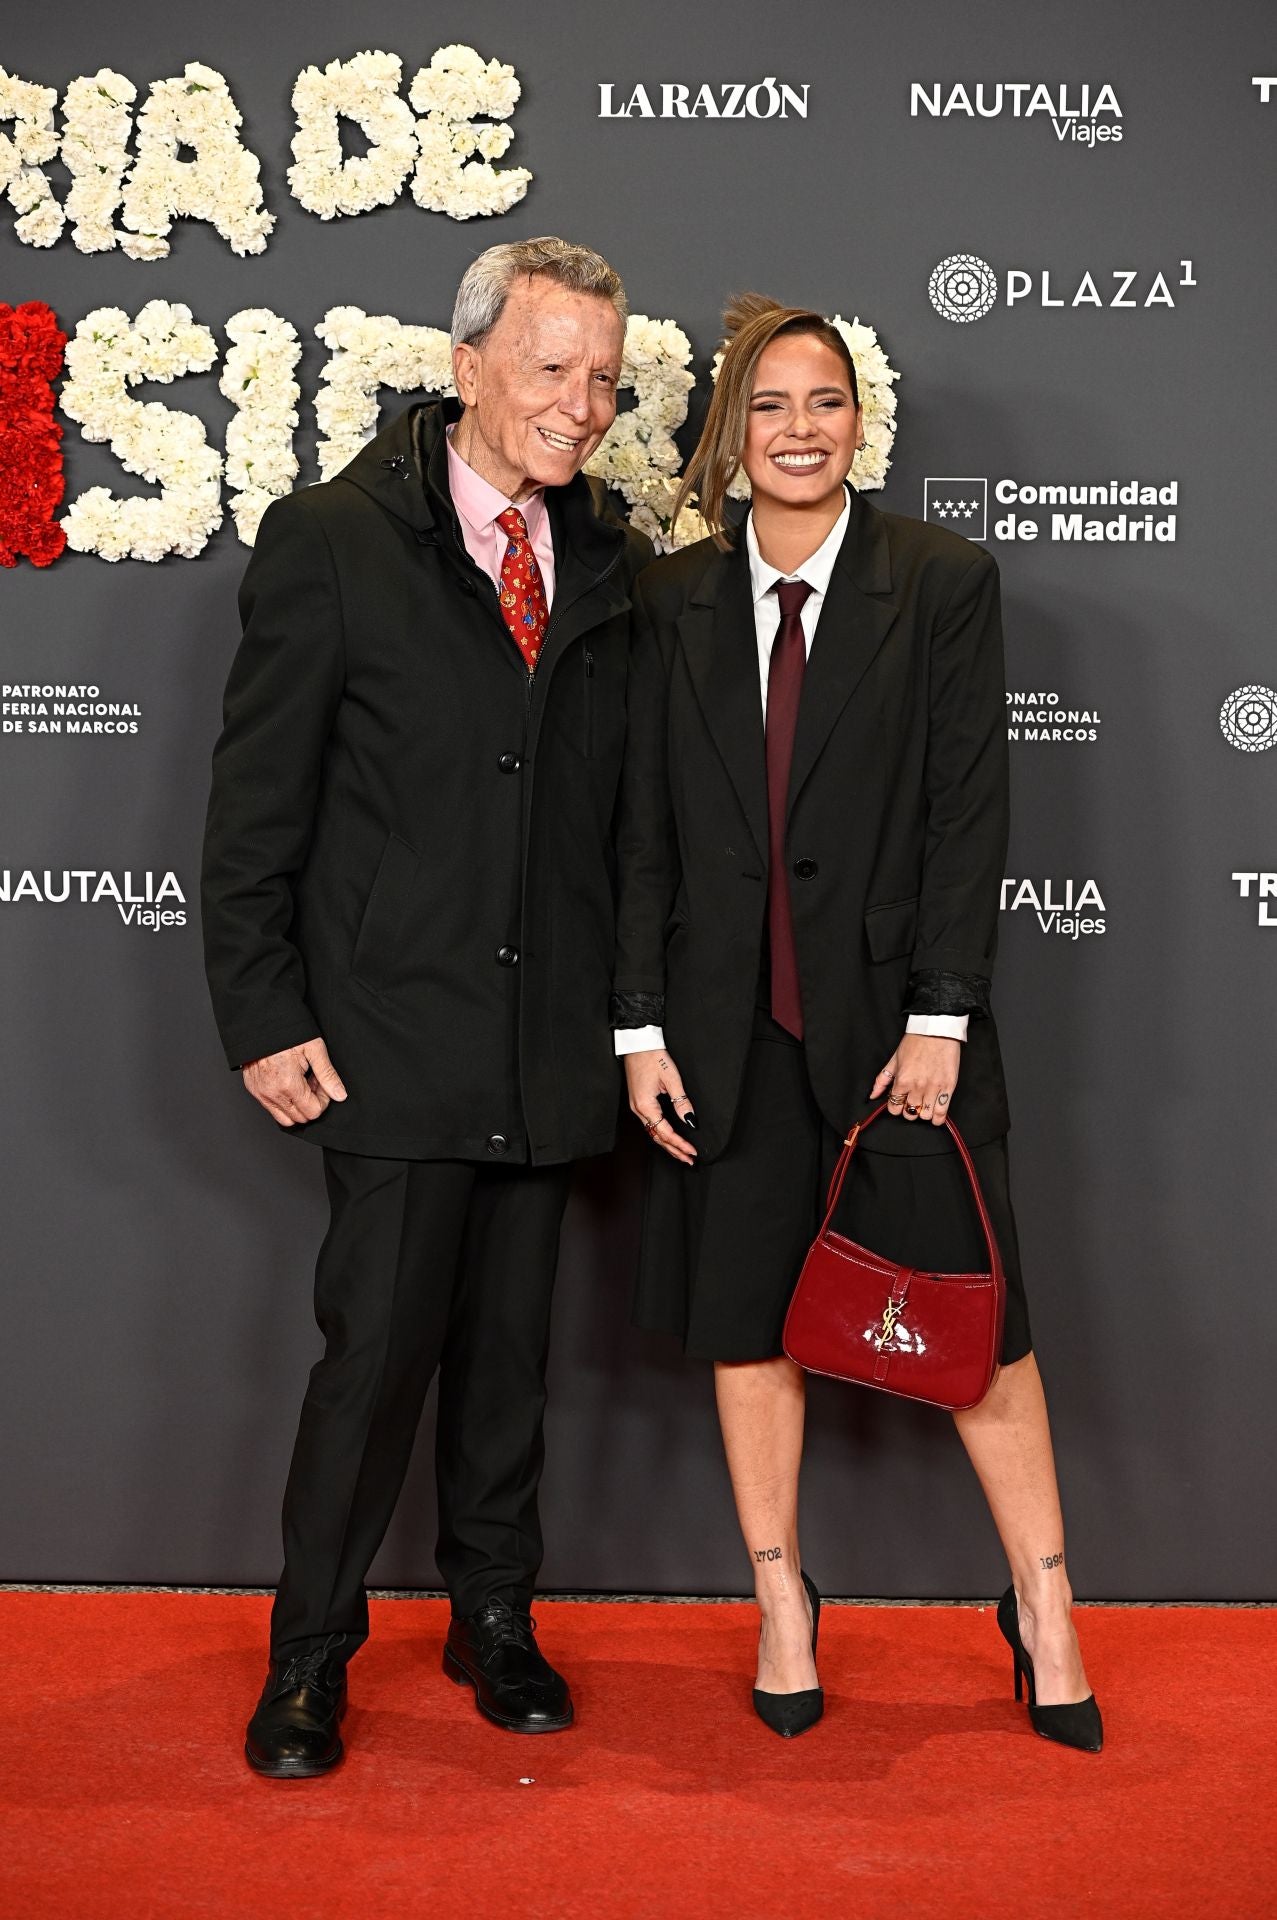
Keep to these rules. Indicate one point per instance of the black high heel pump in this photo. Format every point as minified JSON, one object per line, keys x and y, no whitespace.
{"x":1076,"y":1724}
{"x":792,"y":1713}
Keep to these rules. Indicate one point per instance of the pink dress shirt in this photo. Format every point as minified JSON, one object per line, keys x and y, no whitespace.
{"x":478,"y":503}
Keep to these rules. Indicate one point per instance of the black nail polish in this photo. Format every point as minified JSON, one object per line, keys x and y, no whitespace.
{"x":689,"y":1120}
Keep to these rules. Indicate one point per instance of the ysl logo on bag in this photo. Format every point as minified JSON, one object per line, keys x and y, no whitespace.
{"x":891,"y":1313}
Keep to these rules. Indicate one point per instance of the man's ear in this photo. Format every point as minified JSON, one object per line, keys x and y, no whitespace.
{"x":465,"y":373}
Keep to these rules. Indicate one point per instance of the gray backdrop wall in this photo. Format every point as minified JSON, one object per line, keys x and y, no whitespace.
{"x":159,"y":1235}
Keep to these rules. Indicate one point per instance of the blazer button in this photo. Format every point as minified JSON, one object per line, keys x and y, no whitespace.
{"x":509,"y":763}
{"x":497,"y":1143}
{"x":507,"y":956}
{"x":805,"y":869}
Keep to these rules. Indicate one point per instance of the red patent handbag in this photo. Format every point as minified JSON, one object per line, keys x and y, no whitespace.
{"x":933,"y":1337}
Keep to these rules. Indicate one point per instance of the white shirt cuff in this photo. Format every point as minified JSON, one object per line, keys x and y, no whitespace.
{"x":637,"y":1039}
{"x":941,"y":1026}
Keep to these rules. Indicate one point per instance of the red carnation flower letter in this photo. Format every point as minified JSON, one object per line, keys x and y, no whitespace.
{"x":31,"y":478}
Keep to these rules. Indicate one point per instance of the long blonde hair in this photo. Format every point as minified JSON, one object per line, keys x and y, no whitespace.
{"x":750,"y":322}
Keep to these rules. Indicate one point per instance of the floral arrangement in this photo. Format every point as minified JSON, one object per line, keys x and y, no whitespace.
{"x":23,"y":181}
{"x":221,"y":184}
{"x":455,"y":174}
{"x":97,"y":122}
{"x":108,"y":354}
{"x":448,"y":145}
{"x":364,"y":89}
{"x":639,"y":456}
{"x":258,"y":379}
{"x":31,"y":480}
{"x":368,"y":351}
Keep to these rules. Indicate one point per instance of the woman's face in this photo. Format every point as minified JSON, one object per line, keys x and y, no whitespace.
{"x":802,"y":427}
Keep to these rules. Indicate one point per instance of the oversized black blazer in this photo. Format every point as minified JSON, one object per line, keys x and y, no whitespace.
{"x":897,"y":821}
{"x":396,"y":803}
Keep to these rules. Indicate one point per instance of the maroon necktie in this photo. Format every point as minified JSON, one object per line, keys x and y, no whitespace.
{"x":784,"y":686}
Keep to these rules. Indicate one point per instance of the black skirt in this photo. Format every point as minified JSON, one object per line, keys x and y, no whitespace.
{"x":723,"y":1244}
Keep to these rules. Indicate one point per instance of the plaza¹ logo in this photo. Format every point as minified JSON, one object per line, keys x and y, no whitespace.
{"x":1248,"y":719}
{"x":963,"y":287}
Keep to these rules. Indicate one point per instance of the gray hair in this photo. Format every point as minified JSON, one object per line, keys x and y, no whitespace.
{"x":486,"y":283}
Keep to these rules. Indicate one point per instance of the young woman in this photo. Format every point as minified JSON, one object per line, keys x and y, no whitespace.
{"x":822,"y":764}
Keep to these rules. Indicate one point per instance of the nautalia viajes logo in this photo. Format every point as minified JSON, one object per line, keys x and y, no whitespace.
{"x":1248,"y":719}
{"x":149,"y":900}
{"x":1085,"y":116}
{"x":963,"y":287}
{"x":1079,"y":512}
{"x":1069,"y":907}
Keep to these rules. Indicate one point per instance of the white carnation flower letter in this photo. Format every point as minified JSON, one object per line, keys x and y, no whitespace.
{"x":222,"y":184}
{"x":369,"y":352}
{"x":109,"y":354}
{"x":97,"y":122}
{"x":23,"y":181}
{"x":257,"y":378}
{"x":462,"y":99}
{"x":364,"y":89}
{"x":639,"y":456}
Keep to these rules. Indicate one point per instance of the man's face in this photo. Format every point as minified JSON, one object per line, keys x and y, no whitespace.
{"x":540,"y":392}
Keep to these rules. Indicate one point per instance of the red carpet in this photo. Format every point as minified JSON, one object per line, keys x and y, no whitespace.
{"x":922,"y":1793}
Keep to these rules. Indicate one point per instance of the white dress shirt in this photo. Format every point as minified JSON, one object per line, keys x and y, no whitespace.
{"x":816,"y":573}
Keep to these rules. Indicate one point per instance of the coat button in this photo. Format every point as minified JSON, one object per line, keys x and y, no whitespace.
{"x":509,"y":763}
{"x":507,"y":956}
{"x":497,"y":1143}
{"x":805,"y":869}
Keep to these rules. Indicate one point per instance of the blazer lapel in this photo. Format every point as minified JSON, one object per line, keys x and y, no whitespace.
{"x":721,"y":648}
{"x":856,"y":616}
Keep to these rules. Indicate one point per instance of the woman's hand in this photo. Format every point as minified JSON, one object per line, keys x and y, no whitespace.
{"x":648,"y":1075}
{"x":922,"y":1074}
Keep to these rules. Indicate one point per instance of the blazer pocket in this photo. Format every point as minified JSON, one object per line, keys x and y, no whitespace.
{"x":892,"y":930}
{"x":373,"y":960}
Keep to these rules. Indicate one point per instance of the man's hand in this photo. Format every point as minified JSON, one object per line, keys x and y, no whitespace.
{"x":295,"y":1085}
{"x":648,"y":1075}
{"x":922,"y":1074}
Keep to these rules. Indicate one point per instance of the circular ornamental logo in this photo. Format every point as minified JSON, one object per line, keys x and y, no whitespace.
{"x":1248,"y":719}
{"x":963,"y":287}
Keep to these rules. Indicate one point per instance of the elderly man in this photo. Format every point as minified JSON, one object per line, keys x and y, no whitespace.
{"x":408,"y":919}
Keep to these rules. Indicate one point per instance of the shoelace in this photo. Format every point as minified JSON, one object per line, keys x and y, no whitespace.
{"x":506,"y":1627}
{"x":304,"y":1669}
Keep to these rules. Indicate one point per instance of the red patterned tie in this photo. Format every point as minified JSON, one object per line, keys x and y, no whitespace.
{"x":522,"y":593}
{"x":784,"y":686}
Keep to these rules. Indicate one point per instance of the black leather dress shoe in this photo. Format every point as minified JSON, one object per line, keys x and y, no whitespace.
{"x":294,"y":1732}
{"x":494,"y":1652}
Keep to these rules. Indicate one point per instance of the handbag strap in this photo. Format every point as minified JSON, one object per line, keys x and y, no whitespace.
{"x":844,"y":1161}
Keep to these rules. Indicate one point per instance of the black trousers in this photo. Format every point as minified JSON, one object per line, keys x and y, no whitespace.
{"x":426,"y":1264}
{"x":723,"y":1244}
